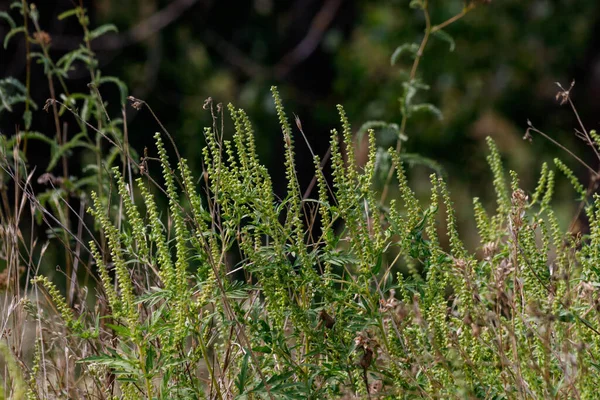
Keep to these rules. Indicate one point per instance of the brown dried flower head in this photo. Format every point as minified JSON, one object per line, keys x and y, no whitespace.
{"x":460,"y":263}
{"x":49,"y":103}
{"x":564,"y":94}
{"x":136,"y":103}
{"x":489,"y":249}
{"x":389,"y":304}
{"x":43,"y":38}
{"x":519,"y":198}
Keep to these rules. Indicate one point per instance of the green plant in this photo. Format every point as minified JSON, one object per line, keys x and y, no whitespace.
{"x":93,"y":126}
{"x":412,"y":85}
{"x":321,"y":317}
{"x":231,"y":292}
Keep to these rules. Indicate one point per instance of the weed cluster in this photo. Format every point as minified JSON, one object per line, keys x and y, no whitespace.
{"x":231,"y":292}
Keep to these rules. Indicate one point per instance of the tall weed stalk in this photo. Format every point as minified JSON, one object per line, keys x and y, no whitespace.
{"x":231,"y":292}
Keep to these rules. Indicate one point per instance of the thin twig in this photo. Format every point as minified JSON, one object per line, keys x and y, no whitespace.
{"x":534,"y":129}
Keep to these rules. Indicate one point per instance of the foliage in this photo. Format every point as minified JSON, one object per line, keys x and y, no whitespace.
{"x":231,"y":292}
{"x":321,"y":316}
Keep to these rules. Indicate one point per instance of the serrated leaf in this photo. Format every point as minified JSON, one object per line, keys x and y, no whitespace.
{"x":8,"y":102}
{"x":101,"y":30}
{"x":440,"y":34}
{"x":12,"y":82}
{"x":411,"y":48}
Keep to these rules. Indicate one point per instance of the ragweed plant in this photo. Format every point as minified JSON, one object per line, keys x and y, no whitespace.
{"x":232,"y":292}
{"x":325,"y":316}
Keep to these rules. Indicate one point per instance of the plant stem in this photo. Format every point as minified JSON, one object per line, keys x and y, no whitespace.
{"x":451,"y":20}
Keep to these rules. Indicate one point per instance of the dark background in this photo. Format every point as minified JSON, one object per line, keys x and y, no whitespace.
{"x":508,"y":56}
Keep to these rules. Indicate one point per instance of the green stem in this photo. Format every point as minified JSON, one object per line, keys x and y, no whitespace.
{"x":413,"y":74}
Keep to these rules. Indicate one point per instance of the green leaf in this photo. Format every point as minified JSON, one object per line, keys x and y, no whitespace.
{"x":41,"y":59}
{"x":4,"y":15}
{"x":114,"y":152}
{"x":14,"y":83}
{"x":12,"y":33}
{"x":60,"y":151}
{"x":565,"y":316}
{"x":377,"y":267}
{"x":410,"y":90}
{"x":426,"y":107}
{"x":383,"y":129}
{"x":118,"y":364}
{"x":416,"y":159}
{"x":150,"y":358}
{"x":273,"y":382}
{"x":417,"y":4}
{"x":101,"y":30}
{"x":27,"y":119}
{"x":411,"y":48}
{"x":383,"y":163}
{"x":16,"y":4}
{"x":30,"y":135}
{"x":440,"y":34}
{"x":82,"y":54}
{"x":120,"y":84}
{"x":69,"y":13}
{"x":263,"y":349}
{"x":34,"y":14}
{"x":4,"y":101}
{"x":242,"y":377}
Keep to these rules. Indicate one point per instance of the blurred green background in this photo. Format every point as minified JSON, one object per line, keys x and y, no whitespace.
{"x":508,"y":55}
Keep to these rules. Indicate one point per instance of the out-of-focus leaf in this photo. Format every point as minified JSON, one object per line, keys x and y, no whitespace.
{"x":69,"y":13}
{"x":4,"y":15}
{"x":381,"y":128}
{"x":416,"y":159}
{"x":27,"y":116}
{"x":446,"y":38}
{"x":417,"y":4}
{"x":430,"y":108}
{"x":411,"y":48}
{"x":101,"y":30}
{"x":12,"y":33}
{"x":120,"y":84}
